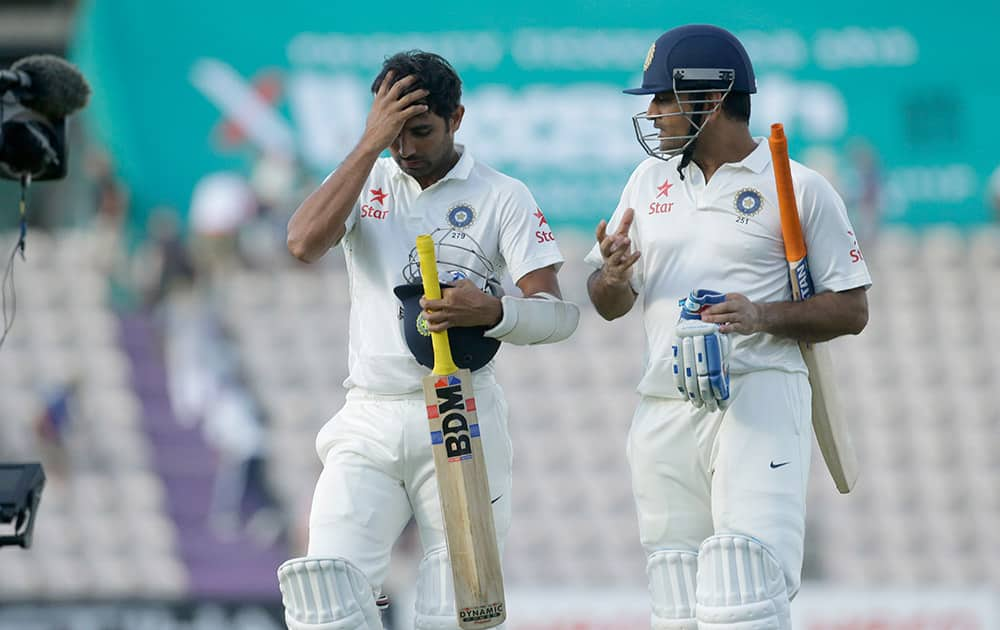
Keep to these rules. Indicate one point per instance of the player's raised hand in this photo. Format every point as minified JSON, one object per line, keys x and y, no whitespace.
{"x":616,"y":249}
{"x":736,"y":315}
{"x":464,"y":304}
{"x":393,"y":106}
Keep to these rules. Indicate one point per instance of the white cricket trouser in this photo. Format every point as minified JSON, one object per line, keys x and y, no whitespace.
{"x":744,"y":471}
{"x":378,"y":470}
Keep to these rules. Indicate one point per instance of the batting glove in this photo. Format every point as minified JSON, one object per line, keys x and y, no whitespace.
{"x":701,"y":354}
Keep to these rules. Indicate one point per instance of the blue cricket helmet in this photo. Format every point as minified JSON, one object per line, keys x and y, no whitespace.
{"x":470,"y":348}
{"x":699,"y":55}
{"x":701,"y":64}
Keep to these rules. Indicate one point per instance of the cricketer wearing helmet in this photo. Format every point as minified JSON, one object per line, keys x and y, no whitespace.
{"x":378,"y":468}
{"x":720,"y":442}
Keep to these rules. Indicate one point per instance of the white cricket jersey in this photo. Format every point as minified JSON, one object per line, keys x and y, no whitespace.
{"x":472,"y":206}
{"x":726,"y":236}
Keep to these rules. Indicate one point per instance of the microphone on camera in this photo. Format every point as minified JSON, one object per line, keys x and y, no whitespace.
{"x":46,"y":84}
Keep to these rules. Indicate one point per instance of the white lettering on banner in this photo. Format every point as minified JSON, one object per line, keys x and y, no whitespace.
{"x":574,"y":128}
{"x":479,"y":50}
{"x":330,"y":112}
{"x":811,"y":110}
{"x":221,"y":84}
{"x":856,"y":47}
{"x":782,"y":48}
{"x":937,"y":183}
{"x":568,"y":49}
{"x":581,"y":49}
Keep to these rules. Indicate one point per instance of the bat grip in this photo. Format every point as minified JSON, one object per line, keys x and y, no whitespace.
{"x":444,"y":363}
{"x":791,"y":227}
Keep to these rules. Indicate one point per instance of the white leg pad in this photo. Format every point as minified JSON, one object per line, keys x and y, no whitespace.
{"x":327,"y":594}
{"x":435,"y":603}
{"x":740,"y":586}
{"x":672,"y":579}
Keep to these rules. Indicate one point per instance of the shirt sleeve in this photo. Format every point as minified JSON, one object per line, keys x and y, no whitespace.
{"x":527,"y":242}
{"x":594,"y":258}
{"x":835,"y":259}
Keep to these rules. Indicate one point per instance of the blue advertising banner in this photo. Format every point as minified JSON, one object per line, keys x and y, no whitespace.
{"x":891,"y":100}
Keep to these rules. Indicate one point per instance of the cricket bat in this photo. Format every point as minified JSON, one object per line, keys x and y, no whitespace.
{"x":461,"y":475}
{"x":828,"y":420}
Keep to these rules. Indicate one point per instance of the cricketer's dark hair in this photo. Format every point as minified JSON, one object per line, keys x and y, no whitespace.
{"x":434,"y":74}
{"x":736,"y":106}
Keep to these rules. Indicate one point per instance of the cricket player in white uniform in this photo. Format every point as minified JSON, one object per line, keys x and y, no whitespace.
{"x":378,"y":466}
{"x":720,"y":463}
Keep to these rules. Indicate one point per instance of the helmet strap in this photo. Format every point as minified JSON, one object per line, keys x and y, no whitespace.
{"x":695,"y":125}
{"x":686,"y":157}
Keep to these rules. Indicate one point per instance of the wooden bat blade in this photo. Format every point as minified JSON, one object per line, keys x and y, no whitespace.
{"x":833,"y":437}
{"x":465,"y":500}
{"x":460,"y":466}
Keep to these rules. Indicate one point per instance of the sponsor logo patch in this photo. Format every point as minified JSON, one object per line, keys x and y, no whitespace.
{"x":541,"y":235}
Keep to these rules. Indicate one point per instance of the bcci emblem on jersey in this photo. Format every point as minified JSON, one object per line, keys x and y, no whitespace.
{"x":461,"y":217}
{"x":748,"y":202}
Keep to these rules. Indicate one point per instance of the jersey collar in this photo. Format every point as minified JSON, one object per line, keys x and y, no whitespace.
{"x":462,"y":168}
{"x":757,"y":161}
{"x":759,"y":158}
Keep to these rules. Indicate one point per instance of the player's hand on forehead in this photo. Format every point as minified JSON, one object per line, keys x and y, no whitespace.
{"x":395,"y":103}
{"x":403,"y":87}
{"x":391,"y":82}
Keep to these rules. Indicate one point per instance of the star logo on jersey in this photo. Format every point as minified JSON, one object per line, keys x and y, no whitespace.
{"x":369,"y":211}
{"x":855,"y":253}
{"x":664,"y":190}
{"x":542,"y":235}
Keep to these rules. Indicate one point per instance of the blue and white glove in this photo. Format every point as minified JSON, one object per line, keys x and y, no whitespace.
{"x":701,"y":353}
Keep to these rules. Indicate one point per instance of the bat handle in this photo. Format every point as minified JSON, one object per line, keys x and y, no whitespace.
{"x":444,"y":363}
